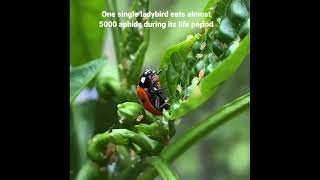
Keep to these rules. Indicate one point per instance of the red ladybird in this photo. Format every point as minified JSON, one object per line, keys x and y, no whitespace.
{"x":150,"y":93}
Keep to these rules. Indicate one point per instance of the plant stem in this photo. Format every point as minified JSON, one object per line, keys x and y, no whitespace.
{"x":133,"y":170}
{"x":163,"y":168}
{"x":205,"y":127}
{"x":89,"y":171}
{"x":115,"y":35}
{"x":115,"y":9}
{"x":185,"y":141}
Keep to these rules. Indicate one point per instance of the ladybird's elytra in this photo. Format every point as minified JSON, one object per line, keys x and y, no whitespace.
{"x":144,"y":99}
{"x":150,"y":93}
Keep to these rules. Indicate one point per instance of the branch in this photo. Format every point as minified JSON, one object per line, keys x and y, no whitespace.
{"x":185,"y":141}
{"x":205,"y":127}
{"x":164,"y":169}
{"x":115,"y":34}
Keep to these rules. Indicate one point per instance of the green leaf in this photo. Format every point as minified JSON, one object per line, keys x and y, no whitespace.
{"x":86,"y":37}
{"x":164,"y":169}
{"x":173,"y":59}
{"x":209,"y":83}
{"x":81,"y":76}
{"x":207,"y":8}
{"x":193,"y":69}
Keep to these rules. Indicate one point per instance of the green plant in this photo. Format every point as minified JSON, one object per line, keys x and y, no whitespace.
{"x":192,"y":70}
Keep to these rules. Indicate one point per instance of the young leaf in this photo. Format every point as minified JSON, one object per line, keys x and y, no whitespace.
{"x":193,"y":69}
{"x":208,"y":7}
{"x":81,"y":76}
{"x":208,"y":84}
{"x":164,"y":169}
{"x":174,"y":61}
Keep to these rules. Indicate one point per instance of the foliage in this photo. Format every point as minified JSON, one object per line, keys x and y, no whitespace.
{"x":81,"y":76}
{"x":86,"y":38}
{"x":216,"y":53}
{"x":138,"y":143}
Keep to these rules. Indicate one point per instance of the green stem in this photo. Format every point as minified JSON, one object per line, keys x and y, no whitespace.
{"x":115,"y":9}
{"x":205,"y":127}
{"x":90,"y":171}
{"x":115,"y":35}
{"x":80,"y":127}
{"x":163,"y":168}
{"x":185,"y":141}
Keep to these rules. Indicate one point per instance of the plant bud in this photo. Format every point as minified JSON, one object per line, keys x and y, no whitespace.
{"x":130,"y":113}
{"x":156,"y":131}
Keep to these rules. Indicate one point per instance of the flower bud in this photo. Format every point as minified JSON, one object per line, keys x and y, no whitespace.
{"x":156,"y":131}
{"x":130,"y":113}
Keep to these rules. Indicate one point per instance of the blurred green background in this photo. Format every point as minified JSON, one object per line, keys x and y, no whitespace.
{"x":223,"y":155}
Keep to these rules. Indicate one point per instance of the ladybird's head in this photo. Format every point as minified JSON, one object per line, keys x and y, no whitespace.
{"x":147,"y":77}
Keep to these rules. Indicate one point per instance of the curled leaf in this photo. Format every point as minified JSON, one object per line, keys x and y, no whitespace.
{"x":202,"y":62}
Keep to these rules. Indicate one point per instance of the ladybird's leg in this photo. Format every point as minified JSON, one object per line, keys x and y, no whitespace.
{"x":158,"y":91}
{"x":152,"y":97}
{"x":162,"y":106}
{"x":161,"y":95}
{"x":112,"y":127}
{"x":157,"y":102}
{"x":165,"y":106}
{"x":152,"y":89}
{"x":155,"y":84}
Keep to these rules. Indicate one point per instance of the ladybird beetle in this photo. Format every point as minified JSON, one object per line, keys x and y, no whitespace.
{"x":150,"y":93}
